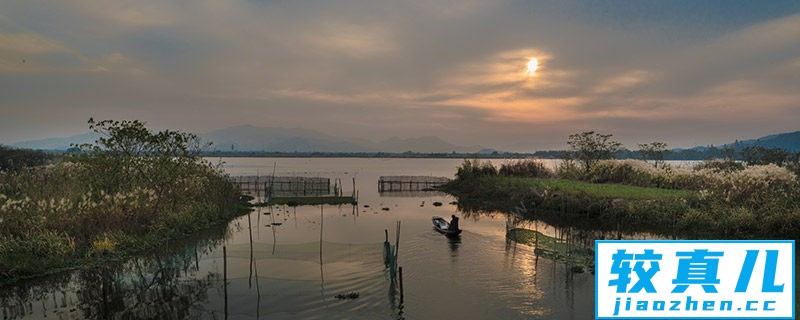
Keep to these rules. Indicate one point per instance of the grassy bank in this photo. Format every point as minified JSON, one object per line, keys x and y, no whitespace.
{"x":593,"y":190}
{"x":130,"y":191}
{"x":714,"y":200}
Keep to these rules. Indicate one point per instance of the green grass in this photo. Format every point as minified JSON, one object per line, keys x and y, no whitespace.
{"x":610,"y":191}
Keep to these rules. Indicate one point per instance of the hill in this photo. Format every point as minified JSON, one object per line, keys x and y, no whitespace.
{"x":247,"y":138}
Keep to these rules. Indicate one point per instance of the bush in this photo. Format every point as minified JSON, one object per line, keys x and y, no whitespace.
{"x":570,"y":170}
{"x":12,"y":159}
{"x":630,"y":172}
{"x":755,"y":187}
{"x":637,"y":173}
{"x":132,"y":185}
{"x":475,"y":168}
{"x":529,"y":168}
{"x":719,"y":166}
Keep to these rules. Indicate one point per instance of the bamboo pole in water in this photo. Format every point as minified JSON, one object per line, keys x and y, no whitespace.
{"x":225,"y":277}
{"x":397,"y":246}
{"x":401,"y":284}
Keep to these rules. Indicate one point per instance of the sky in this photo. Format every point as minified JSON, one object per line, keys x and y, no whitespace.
{"x":683,"y":72}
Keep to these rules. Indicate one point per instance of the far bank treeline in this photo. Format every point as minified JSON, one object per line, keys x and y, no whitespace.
{"x":590,"y":189}
{"x":129,"y":191}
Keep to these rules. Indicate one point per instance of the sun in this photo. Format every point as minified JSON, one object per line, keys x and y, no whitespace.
{"x":533,"y":64}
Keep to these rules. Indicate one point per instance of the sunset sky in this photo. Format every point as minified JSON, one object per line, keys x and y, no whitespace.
{"x":685,"y":72}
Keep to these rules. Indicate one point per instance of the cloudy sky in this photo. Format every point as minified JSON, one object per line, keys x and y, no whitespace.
{"x":684,"y":72}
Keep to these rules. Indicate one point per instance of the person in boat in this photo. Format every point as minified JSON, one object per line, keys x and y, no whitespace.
{"x":453,"y":223}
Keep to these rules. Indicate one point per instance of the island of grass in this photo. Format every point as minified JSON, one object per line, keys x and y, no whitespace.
{"x":592,"y":190}
{"x":130,"y":191}
{"x":716,"y":199}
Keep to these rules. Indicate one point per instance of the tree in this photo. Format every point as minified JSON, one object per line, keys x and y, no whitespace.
{"x":589,"y":147}
{"x":653,"y":151}
{"x":758,"y":155}
{"x":12,"y":159}
{"x":129,"y":155}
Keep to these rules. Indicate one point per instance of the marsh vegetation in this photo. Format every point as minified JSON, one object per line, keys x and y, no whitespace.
{"x":130,"y":190}
{"x":714,"y":199}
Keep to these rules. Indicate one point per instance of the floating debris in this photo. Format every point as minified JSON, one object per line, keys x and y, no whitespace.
{"x":276,"y":223}
{"x":366,"y":206}
{"x":347,"y":296}
{"x":385,"y":208}
{"x":437,"y":204}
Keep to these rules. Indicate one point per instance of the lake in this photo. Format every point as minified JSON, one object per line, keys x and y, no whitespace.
{"x":292,"y":262}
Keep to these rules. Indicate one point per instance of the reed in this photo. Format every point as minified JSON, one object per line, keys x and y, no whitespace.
{"x":103,"y":203}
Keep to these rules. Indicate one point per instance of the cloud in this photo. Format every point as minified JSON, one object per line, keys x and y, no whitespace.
{"x":626,"y":81}
{"x":383,"y":68}
{"x":29,"y":44}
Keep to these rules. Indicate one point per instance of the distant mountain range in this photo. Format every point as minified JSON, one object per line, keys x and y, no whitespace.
{"x":273,"y":139}
{"x":62,"y":143}
{"x":789,"y":141}
{"x":288,"y":140}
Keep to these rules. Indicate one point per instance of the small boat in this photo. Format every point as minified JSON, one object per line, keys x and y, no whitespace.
{"x":441,"y":225}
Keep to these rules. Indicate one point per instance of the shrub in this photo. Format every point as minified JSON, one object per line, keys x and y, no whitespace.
{"x":475,"y":168}
{"x":642,"y":174}
{"x":755,"y":187}
{"x":125,"y":189}
{"x":569,"y":169}
{"x":720,"y":166}
{"x":104,"y":244}
{"x":630,"y":172}
{"x":530,"y":168}
{"x":12,"y":159}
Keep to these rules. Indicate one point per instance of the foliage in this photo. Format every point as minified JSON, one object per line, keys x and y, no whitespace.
{"x":569,"y":169}
{"x":16,"y":159}
{"x":758,"y":155}
{"x":572,"y":187}
{"x":755,"y":188}
{"x":107,"y":198}
{"x":530,"y":168}
{"x":475,"y":168}
{"x":761,"y":202}
{"x":589,"y":147}
{"x":653,"y":151}
{"x":720,"y":166}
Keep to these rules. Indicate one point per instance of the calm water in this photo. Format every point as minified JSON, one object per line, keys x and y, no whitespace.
{"x":290,"y":263}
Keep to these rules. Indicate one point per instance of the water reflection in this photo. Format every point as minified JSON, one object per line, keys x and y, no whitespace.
{"x":163,"y":284}
{"x":454,"y":242}
{"x":290,"y":263}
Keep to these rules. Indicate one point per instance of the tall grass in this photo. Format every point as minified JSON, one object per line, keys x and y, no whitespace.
{"x":475,"y":168}
{"x":128,"y":192}
{"x":528,"y":168}
{"x":714,"y":199}
{"x":50,"y":218}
